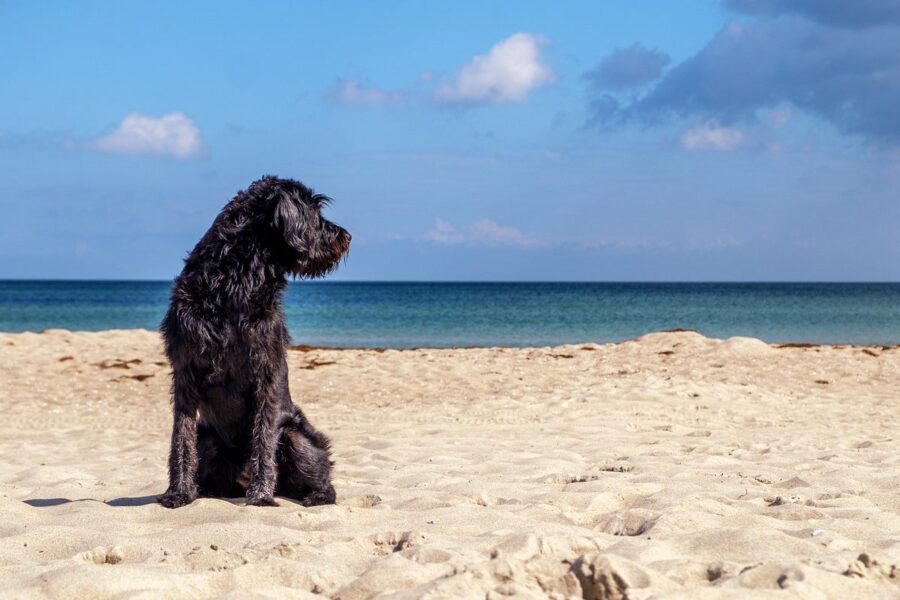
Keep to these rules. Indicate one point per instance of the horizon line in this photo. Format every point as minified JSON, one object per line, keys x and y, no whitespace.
{"x":609,"y":281}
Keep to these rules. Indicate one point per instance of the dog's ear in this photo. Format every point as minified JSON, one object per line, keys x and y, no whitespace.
{"x":288,"y":220}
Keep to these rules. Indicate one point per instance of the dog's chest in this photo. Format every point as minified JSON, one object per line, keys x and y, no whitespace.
{"x":226,"y":406}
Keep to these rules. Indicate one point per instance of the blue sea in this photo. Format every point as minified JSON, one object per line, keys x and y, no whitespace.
{"x":403,"y":315}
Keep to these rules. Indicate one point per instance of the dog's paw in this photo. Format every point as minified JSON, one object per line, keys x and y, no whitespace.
{"x":319,"y":497}
{"x":260,"y":494}
{"x":175,"y":498}
{"x":261,"y":501}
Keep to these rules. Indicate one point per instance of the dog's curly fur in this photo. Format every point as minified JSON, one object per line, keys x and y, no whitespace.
{"x":236,"y":429}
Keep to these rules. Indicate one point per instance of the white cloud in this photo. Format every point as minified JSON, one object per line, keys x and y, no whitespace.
{"x":482,"y":232}
{"x":173,"y":135}
{"x":353,"y":91}
{"x":507,"y":73}
{"x":711,"y":136}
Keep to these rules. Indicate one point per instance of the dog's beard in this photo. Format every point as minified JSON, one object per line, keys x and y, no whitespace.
{"x":325,"y":260}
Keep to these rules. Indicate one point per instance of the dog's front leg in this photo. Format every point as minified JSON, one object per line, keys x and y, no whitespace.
{"x":263,"y":444}
{"x":183,"y":452}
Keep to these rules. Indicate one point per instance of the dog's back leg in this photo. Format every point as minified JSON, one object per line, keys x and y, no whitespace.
{"x":304,"y":465}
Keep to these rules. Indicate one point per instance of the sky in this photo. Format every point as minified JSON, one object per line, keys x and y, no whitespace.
{"x":623,"y":140}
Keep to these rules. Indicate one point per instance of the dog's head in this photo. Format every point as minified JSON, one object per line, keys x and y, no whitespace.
{"x":302,"y":241}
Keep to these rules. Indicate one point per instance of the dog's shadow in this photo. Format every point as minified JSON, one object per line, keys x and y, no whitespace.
{"x":124,"y":501}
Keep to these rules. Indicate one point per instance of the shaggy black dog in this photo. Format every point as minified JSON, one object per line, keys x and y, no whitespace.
{"x":235,"y":427}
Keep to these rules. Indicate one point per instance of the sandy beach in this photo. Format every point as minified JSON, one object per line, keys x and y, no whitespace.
{"x":672,"y":466}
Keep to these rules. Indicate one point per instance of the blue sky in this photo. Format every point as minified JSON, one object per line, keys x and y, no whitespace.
{"x":618,"y":140}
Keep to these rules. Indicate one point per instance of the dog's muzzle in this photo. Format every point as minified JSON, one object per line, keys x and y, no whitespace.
{"x":343,"y":242}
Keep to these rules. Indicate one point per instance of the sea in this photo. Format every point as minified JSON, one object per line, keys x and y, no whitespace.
{"x":459,"y":314}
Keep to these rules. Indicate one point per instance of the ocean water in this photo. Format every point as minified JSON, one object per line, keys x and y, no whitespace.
{"x":402,"y":315}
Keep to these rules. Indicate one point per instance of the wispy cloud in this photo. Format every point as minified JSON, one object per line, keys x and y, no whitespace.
{"x":779,"y":117}
{"x":352,"y":91}
{"x":38,"y":140}
{"x":173,"y":135}
{"x":711,"y":136}
{"x":483,"y":232}
{"x":440,"y":158}
{"x":509,"y":72}
{"x":444,"y":233}
{"x":628,"y":68}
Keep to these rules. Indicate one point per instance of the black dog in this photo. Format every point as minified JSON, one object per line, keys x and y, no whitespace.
{"x":235,"y":427}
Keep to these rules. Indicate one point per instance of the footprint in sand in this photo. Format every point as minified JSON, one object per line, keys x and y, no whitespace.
{"x":395,"y":541}
{"x":102,"y":556}
{"x":628,"y":523}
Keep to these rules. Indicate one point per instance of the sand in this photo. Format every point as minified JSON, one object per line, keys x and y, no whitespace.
{"x":673,"y":466}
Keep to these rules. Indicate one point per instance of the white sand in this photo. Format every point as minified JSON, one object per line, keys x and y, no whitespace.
{"x":674,"y":466}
